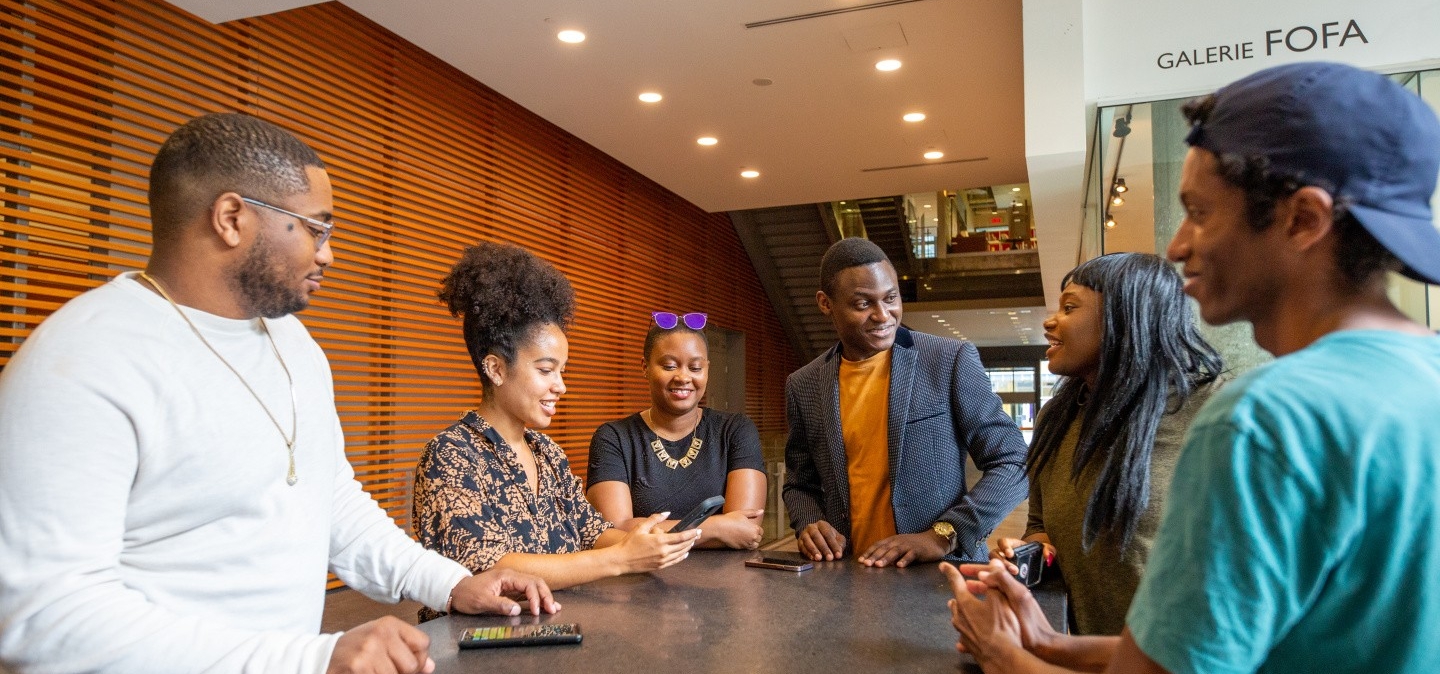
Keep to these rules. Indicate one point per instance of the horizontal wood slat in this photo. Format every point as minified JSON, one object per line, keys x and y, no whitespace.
{"x":424,"y":161}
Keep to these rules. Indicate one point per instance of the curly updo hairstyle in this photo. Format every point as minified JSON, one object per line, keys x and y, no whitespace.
{"x":504,"y":293}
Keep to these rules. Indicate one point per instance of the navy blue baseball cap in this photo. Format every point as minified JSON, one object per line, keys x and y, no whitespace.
{"x":1356,"y":134}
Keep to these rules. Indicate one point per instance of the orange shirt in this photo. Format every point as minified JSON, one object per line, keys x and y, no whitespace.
{"x":865,"y":427}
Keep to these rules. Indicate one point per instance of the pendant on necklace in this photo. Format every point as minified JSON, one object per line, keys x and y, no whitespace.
{"x":290,"y":477}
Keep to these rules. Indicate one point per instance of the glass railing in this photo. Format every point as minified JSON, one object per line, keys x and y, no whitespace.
{"x":1134,"y":204}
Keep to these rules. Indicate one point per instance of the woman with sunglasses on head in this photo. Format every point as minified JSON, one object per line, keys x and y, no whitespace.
{"x":1134,"y":370}
{"x":675,"y":454}
{"x":492,"y":490}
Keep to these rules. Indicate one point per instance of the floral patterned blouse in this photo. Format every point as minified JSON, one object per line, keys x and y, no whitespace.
{"x":473,"y":503}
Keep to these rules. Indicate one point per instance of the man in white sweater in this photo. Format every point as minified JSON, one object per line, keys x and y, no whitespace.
{"x":173,"y":481}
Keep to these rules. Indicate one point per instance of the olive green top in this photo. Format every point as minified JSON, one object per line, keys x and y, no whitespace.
{"x":1101,"y":582}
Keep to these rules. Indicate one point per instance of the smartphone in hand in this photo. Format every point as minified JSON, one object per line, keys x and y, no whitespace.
{"x":1030,"y":560}
{"x":692,"y":519}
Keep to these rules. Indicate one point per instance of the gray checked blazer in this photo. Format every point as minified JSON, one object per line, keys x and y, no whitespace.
{"x":941,"y":407}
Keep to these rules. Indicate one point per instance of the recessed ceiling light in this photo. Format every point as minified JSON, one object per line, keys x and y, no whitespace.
{"x":571,"y":36}
{"x":888,"y":65}
{"x":934,"y":154}
{"x":927,"y":205}
{"x":749,"y":173}
{"x":914,"y":117}
{"x":942,"y":320}
{"x":1014,"y":189}
{"x":651,"y":97}
{"x":934,"y":315}
{"x":706,"y":140}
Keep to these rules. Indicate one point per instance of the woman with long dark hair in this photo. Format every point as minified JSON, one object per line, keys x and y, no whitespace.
{"x":1134,"y":371}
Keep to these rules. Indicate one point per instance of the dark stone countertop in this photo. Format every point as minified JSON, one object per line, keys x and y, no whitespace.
{"x":711,"y":613}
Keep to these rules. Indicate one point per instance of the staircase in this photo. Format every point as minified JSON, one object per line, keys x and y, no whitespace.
{"x":885,"y":224}
{"x":785,"y":245}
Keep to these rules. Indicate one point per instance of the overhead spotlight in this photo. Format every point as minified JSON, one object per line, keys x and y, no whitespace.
{"x":706,"y":140}
{"x":914,"y":117}
{"x":1122,"y":127}
{"x":571,"y":36}
{"x":651,"y":97}
{"x":1109,"y":222}
{"x":934,"y":154}
{"x":1117,"y":200}
{"x":887,"y":65}
{"x":1120,"y":187}
{"x":1014,"y":189}
{"x":749,"y":173}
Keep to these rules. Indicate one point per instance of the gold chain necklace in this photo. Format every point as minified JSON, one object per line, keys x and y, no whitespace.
{"x":659,"y":447}
{"x":290,"y":477}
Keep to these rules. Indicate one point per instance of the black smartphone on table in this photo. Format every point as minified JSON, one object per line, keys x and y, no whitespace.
{"x":1030,"y":560}
{"x":781,"y":563}
{"x":520,"y":635}
{"x":692,"y":519}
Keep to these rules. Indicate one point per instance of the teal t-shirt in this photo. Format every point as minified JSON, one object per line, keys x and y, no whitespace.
{"x":1302,"y":530}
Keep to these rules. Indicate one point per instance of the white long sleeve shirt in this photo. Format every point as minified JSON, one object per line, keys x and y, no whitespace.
{"x":145,"y":521}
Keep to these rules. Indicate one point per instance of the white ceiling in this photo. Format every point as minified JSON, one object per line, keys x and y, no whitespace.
{"x":828,"y":116}
{"x":1012,"y":326}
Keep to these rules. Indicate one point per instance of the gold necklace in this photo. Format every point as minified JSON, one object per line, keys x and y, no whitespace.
{"x":659,"y":447}
{"x":290,"y":477}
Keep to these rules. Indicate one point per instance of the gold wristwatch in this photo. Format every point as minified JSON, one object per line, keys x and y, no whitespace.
{"x":945,"y":530}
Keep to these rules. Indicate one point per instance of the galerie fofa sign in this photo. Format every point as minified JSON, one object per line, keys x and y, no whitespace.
{"x":1299,"y":39}
{"x":1296,"y":40}
{"x":1160,"y":49}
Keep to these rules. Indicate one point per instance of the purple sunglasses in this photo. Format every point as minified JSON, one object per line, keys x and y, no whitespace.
{"x":668,"y":320}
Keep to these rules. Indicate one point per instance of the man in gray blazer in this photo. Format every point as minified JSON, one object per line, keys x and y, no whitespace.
{"x":892,"y":484}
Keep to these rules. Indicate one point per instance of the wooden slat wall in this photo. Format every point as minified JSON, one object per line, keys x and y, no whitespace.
{"x":424,"y":161}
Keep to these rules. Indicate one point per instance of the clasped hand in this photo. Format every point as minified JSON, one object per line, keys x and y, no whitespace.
{"x":994,"y":613}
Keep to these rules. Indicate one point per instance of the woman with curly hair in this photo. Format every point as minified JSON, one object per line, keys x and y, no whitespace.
{"x":675,"y":454}
{"x":1134,"y":370}
{"x":492,"y":490}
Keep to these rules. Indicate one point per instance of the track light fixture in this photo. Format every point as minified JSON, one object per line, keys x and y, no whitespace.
{"x":1120,"y":187}
{"x":1122,"y":127}
{"x":1109,"y":221}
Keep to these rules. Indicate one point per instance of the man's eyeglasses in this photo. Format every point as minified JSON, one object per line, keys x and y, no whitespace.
{"x":667,"y":320}
{"x":320,"y":229}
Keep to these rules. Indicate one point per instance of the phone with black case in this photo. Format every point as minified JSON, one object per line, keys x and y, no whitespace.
{"x":781,"y":563}
{"x":501,"y":636}
{"x":1030,"y":560}
{"x":693,"y":518}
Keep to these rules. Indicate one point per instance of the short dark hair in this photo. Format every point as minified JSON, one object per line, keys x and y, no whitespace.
{"x":656,"y":332}
{"x":1358,"y":255}
{"x":1152,"y":358}
{"x":223,"y":152}
{"x":504,"y":293}
{"x":844,"y":254}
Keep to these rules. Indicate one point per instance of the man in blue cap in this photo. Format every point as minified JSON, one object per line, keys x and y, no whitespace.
{"x":1303,"y":526}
